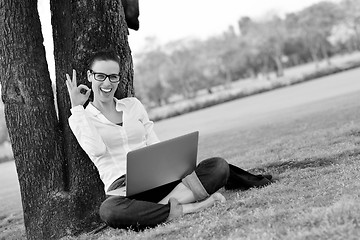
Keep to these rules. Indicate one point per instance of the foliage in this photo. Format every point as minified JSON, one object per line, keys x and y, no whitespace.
{"x":150,"y":76}
{"x":180,"y":69}
{"x":351,"y":23}
{"x":249,"y":88}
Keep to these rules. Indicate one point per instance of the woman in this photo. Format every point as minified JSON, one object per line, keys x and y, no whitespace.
{"x":109,"y":128}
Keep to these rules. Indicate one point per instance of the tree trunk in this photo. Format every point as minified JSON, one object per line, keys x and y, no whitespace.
{"x":265,"y":68}
{"x":325,"y":54}
{"x":81,"y":28}
{"x":313,"y":53}
{"x":31,"y":117}
{"x":60,"y":187}
{"x":279,"y":66}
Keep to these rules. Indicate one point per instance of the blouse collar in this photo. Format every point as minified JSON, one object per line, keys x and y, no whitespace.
{"x":119,"y":106}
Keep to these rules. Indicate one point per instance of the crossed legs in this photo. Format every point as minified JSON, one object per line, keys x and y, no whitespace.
{"x":197,"y":191}
{"x":194,"y":193}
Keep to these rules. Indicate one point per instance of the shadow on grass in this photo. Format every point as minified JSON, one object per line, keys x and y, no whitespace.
{"x":354,"y":133}
{"x":283,"y":166}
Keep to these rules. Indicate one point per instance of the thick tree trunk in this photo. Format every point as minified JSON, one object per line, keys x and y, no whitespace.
{"x":60,"y":187}
{"x":81,"y":28}
{"x":31,"y":118}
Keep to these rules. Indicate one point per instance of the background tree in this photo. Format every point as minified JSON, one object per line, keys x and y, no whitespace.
{"x":221,"y":54}
{"x":60,"y":187}
{"x":295,"y":46}
{"x":351,"y":11}
{"x":257,"y":37}
{"x":316,"y":23}
{"x":185,"y":76}
{"x":275,"y":35}
{"x":263,"y":46}
{"x":151,"y":81}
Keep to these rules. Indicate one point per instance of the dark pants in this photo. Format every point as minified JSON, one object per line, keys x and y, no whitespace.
{"x":142,"y":210}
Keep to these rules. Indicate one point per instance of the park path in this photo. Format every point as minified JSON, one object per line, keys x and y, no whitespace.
{"x":242,"y":113}
{"x":258,"y":108}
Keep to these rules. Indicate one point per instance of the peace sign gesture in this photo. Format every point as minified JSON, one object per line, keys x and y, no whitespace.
{"x":78,"y":94}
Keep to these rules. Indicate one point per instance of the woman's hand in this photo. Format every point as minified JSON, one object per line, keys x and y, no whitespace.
{"x":78,"y":94}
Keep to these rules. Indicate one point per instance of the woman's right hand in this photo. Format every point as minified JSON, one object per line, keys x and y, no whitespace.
{"x":78,"y":94}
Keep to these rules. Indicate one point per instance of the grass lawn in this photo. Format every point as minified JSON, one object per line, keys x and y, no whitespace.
{"x":317,"y":159}
{"x":314,"y":149}
{"x":11,"y":215}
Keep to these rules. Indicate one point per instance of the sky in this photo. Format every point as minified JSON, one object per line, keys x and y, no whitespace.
{"x":169,"y":20}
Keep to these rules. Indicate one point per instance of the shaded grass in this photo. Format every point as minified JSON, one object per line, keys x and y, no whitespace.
{"x":317,"y":160}
{"x":12,"y":226}
{"x":316,"y":157}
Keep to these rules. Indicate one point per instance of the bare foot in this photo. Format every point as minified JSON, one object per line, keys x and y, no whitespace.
{"x":218,"y":197}
{"x":198,"y":206}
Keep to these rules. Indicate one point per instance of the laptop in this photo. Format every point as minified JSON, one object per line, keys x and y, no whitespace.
{"x":158,"y":164}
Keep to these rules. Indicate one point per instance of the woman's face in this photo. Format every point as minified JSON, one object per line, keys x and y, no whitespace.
{"x":103,"y":90}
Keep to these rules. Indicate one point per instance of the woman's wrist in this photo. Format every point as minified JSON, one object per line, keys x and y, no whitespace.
{"x":78,"y":108}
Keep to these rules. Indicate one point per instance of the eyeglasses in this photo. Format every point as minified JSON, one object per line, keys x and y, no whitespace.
{"x":114,"y":78}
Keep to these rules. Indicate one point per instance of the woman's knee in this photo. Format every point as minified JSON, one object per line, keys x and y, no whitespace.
{"x":122,"y":212}
{"x":213,"y":173}
{"x":217,"y":166}
{"x":112,"y":211}
{"x":222,"y":168}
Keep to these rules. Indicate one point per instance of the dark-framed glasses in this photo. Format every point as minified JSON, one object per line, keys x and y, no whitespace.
{"x":114,"y":78}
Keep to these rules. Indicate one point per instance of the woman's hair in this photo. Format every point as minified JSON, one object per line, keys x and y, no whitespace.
{"x":104,"y":55}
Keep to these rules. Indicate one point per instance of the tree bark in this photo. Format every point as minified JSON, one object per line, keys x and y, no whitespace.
{"x":60,"y":187}
{"x":30,"y":116}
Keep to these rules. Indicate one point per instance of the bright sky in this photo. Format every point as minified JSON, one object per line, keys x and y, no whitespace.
{"x":169,"y":20}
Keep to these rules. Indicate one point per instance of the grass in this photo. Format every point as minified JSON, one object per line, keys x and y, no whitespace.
{"x":314,"y":149}
{"x":12,"y":226}
{"x":317,"y":160}
{"x":11,"y":215}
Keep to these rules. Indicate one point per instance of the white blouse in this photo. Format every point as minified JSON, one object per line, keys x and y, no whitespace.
{"x":107,"y":143}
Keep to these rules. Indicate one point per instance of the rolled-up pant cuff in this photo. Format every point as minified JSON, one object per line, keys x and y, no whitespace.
{"x":192,"y":182}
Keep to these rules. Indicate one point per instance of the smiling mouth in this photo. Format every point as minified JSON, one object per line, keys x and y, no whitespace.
{"x":106,"y":90}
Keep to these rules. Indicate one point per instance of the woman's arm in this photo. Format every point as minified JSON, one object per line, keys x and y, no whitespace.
{"x":86,"y":133}
{"x":83,"y":129}
{"x":151,"y":136}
